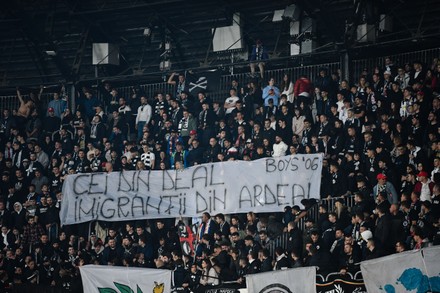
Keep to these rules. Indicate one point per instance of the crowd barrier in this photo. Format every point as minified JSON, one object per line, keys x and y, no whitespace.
{"x":333,"y":282}
{"x":346,"y":283}
{"x":398,"y":59}
{"x":312,"y":71}
{"x":312,"y":213}
{"x":12,"y":102}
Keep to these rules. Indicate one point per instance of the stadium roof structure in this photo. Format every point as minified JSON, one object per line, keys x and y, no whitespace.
{"x":48,"y":41}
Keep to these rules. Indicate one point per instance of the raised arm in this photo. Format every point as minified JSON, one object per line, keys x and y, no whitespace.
{"x":171,"y":79}
{"x":40,"y":93}
{"x":20,"y":98}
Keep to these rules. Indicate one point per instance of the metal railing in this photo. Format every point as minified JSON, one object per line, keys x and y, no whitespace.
{"x":150,"y":90}
{"x":11,"y":102}
{"x":312,"y":213}
{"x":398,"y":59}
{"x":311,"y":71}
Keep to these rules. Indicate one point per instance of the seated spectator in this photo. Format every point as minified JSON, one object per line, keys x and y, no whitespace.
{"x":258,"y":58}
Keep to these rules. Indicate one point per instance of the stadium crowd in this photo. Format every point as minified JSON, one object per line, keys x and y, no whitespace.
{"x":379,"y":137}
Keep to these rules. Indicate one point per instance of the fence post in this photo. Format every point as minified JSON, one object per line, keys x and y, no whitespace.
{"x":346,"y":66}
{"x":72,"y":99}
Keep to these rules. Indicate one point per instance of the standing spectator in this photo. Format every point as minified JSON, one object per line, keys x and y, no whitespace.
{"x":52,"y":123}
{"x":303,"y":88}
{"x":338,"y":184}
{"x":112,"y":101}
{"x":271,"y":92}
{"x":418,"y":73}
{"x":59,"y":105}
{"x":286,"y":88}
{"x":6,"y":123}
{"x":32,"y":233}
{"x":187,"y":124}
{"x":23,"y":112}
{"x":279,"y":147}
{"x":385,"y":186}
{"x":207,"y":119}
{"x":97,"y":130}
{"x":89,"y":104}
{"x":144,"y":114}
{"x":424,"y":186}
{"x":34,"y":127}
{"x":324,"y":81}
{"x":383,"y":226}
{"x":181,"y":84}
{"x":230,"y":102}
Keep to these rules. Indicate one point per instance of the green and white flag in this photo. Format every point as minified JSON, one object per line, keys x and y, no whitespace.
{"x":109,"y":279}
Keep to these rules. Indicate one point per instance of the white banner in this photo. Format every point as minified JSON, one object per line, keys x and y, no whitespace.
{"x":431,"y":256}
{"x":265,"y":185}
{"x":108,"y":279}
{"x":300,"y":280}
{"x":403,"y":272}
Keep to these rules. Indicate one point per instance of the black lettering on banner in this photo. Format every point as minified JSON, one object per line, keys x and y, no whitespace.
{"x":122,"y":181}
{"x":202,"y":176}
{"x":258,"y":190}
{"x":75,"y":184}
{"x":245,"y":196}
{"x":135,"y":206}
{"x":180,"y":204}
{"x":97,"y":207}
{"x":266,"y":192}
{"x":86,"y":212}
{"x":311,"y":164}
{"x":166,"y":176}
{"x":76,"y":210}
{"x":184,"y":204}
{"x":140,"y":179}
{"x":256,"y":200}
{"x":280,"y":197}
{"x":106,"y":182}
{"x":298,"y":191}
{"x":122,"y":202}
{"x":103,"y":209}
{"x":132,"y":181}
{"x":211,"y":181}
{"x":91,"y":184}
{"x":287,"y":164}
{"x":152,"y":206}
{"x":293,"y":164}
{"x":220,"y":200}
{"x":170,"y":203}
{"x":270,"y":165}
{"x":200,"y":199}
{"x":177,"y":179}
{"x":281,"y":165}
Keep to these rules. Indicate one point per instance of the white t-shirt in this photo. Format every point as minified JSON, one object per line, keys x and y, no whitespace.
{"x":231,"y":101}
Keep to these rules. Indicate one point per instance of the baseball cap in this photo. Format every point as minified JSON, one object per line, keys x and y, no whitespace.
{"x":381,"y":176}
{"x":366,"y":235}
{"x":422,"y":174}
{"x":192,"y":132}
{"x":51,"y":109}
